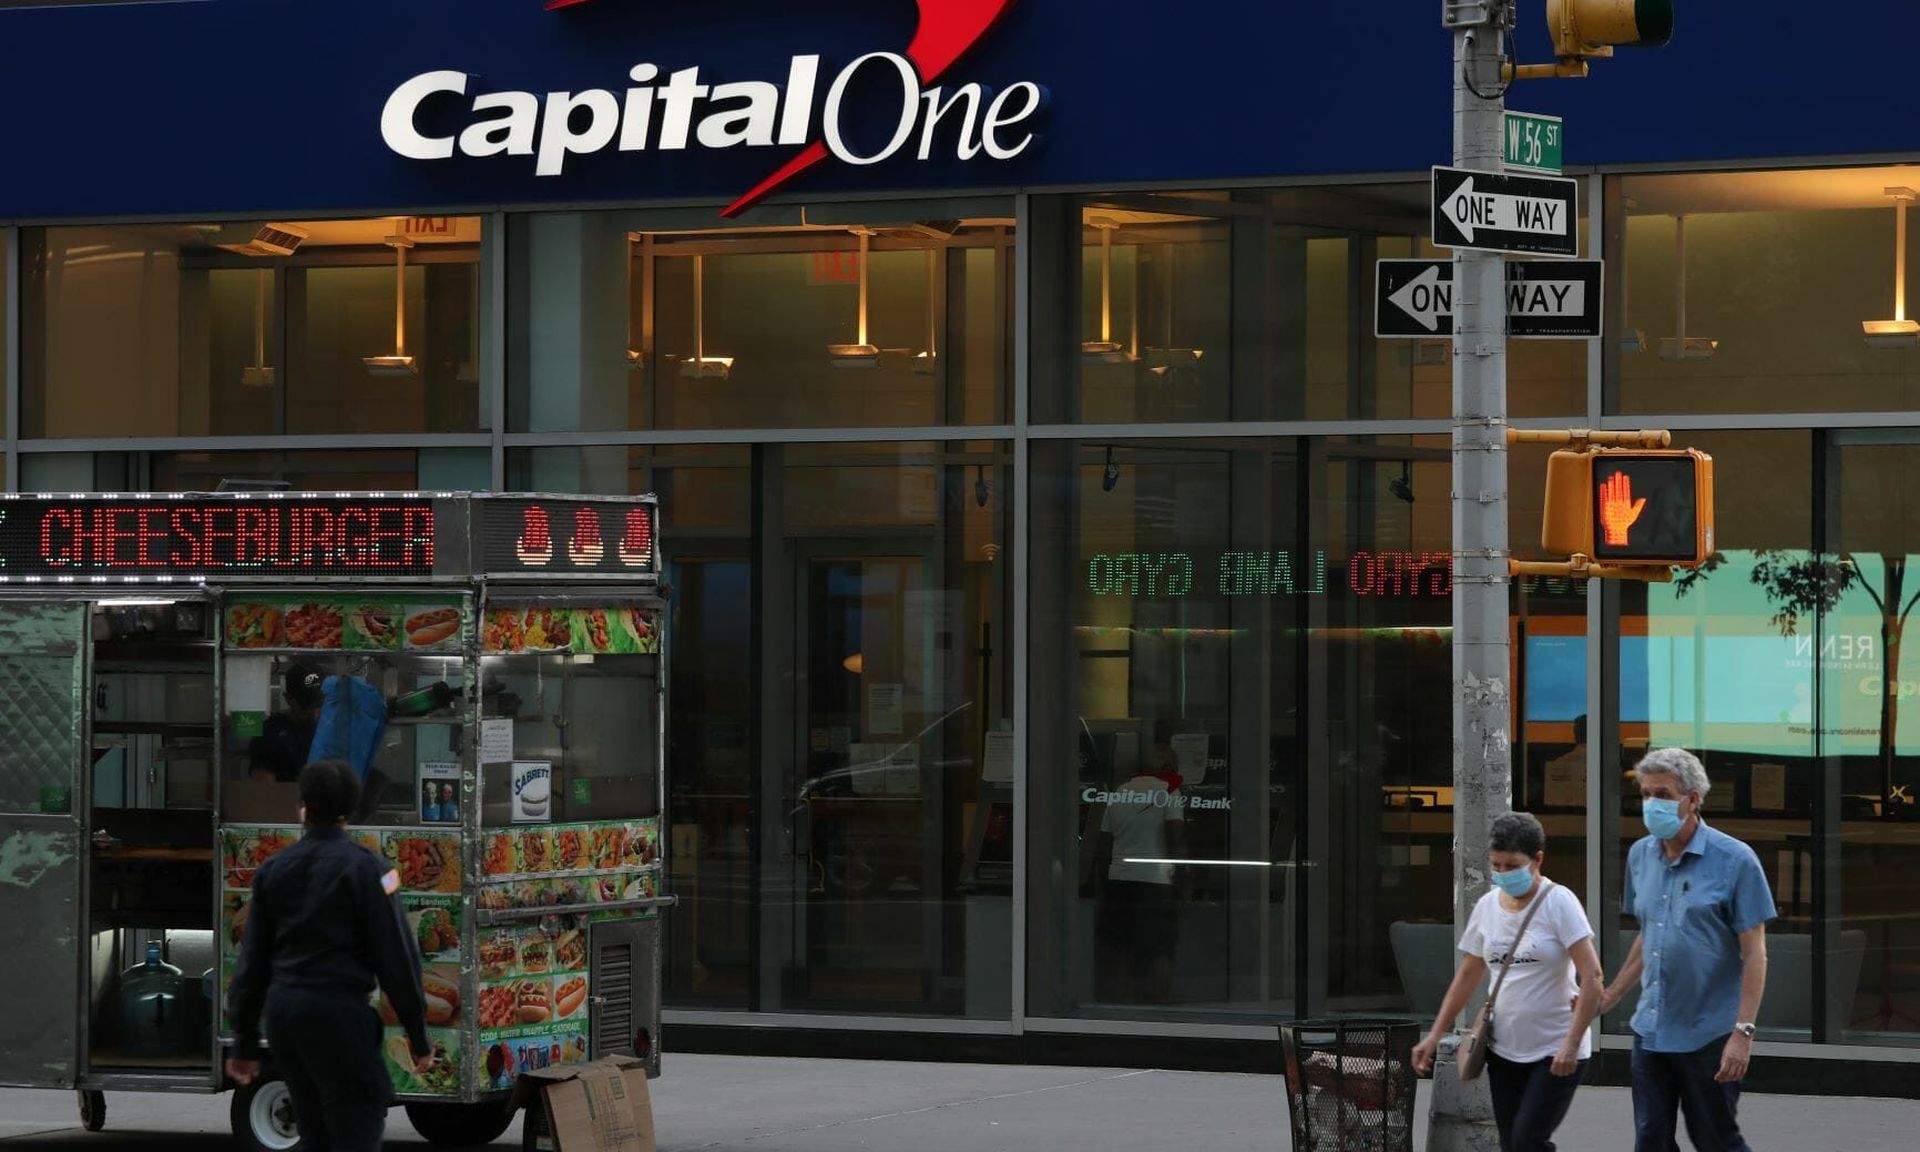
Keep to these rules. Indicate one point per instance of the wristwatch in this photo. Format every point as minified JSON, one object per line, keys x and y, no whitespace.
{"x":1746,"y":1030}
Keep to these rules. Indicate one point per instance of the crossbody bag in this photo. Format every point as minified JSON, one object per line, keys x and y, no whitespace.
{"x":1471,"y":1059}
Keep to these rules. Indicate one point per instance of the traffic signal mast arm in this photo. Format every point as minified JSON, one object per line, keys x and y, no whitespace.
{"x":1583,"y":566}
{"x":1582,"y":438}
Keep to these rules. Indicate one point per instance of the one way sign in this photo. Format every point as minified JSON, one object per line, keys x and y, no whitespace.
{"x":1496,"y":212}
{"x":1546,"y":299}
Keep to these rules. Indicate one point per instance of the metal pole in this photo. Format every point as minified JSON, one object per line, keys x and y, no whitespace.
{"x":1461,"y":1117}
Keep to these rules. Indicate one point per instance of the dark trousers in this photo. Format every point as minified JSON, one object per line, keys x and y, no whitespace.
{"x":327,"y":1048}
{"x":1666,"y":1082}
{"x":1529,"y":1101}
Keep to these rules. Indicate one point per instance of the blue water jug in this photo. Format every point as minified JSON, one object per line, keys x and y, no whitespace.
{"x":151,"y":1006}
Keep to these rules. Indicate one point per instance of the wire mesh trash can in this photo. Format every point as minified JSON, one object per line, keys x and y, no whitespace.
{"x":1350,"y":1084}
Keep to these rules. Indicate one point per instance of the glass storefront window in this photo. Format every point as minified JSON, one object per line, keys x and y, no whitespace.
{"x":1867,"y":925}
{"x":1187,"y":768}
{"x":840,"y":693}
{"x":253,"y":328}
{"x":1248,"y":305}
{"x":852,"y":316}
{"x":1747,"y":292}
{"x":1722,"y":662}
{"x":1241,"y":754}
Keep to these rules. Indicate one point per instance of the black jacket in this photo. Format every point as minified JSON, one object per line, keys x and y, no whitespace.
{"x":325,"y":918}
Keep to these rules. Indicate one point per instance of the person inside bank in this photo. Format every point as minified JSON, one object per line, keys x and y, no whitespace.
{"x":1142,"y":834}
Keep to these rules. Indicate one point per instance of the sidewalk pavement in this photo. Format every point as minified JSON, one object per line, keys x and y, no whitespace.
{"x":763,"y":1104}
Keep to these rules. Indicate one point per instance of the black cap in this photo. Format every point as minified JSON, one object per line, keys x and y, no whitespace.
{"x":302,"y":685}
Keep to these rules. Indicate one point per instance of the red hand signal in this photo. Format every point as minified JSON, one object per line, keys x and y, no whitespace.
{"x":1618,"y":508}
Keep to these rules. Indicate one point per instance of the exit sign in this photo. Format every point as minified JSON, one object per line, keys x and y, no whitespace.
{"x":1532,"y":143}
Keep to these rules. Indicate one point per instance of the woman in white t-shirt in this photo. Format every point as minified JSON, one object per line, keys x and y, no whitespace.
{"x":1552,"y":994}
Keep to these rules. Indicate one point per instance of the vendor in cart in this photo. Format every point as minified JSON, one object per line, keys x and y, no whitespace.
{"x":286,"y":740}
{"x":326,"y":718}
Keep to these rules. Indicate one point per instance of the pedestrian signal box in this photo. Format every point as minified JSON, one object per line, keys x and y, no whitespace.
{"x":1630,"y":506}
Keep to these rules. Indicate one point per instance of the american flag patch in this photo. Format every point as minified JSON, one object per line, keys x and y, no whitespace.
{"x":391,"y":881}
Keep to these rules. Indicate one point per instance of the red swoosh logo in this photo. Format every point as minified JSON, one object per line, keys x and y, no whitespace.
{"x":948,"y":28}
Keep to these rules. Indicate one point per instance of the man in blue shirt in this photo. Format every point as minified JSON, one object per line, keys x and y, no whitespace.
{"x":1703,"y":904}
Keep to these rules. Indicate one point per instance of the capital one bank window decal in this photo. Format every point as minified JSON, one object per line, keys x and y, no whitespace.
{"x":677,"y":107}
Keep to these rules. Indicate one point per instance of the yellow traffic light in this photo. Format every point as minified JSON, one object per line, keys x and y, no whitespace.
{"x":1630,"y":506}
{"x":1588,"y":28}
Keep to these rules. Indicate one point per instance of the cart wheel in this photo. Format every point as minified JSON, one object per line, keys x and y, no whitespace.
{"x":460,"y":1125}
{"x":262,"y":1116}
{"x":93,"y":1109}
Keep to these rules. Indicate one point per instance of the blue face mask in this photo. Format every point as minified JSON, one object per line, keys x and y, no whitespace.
{"x":1514,"y":883}
{"x":1662,"y":817}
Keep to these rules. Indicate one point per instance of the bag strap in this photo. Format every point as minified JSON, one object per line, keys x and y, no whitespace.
{"x":1506,"y":962}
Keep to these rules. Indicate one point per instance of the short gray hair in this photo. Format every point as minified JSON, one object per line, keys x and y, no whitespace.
{"x":1678,"y":763}
{"x":1517,"y":832}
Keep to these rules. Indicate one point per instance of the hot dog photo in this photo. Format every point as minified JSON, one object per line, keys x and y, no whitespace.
{"x":569,"y":997}
{"x":442,"y":985}
{"x":431,"y":627}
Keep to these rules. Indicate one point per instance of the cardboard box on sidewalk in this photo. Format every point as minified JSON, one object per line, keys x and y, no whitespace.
{"x":598,"y":1107}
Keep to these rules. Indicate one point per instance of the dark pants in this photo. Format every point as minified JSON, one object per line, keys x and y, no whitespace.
{"x":1529,"y":1101}
{"x":1137,"y":928}
{"x":1664,"y":1082}
{"x":327,"y":1048}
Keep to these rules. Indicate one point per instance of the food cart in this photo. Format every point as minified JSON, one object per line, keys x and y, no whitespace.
{"x":512,"y":646}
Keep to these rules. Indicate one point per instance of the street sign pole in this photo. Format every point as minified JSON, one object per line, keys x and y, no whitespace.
{"x":1482,"y":765}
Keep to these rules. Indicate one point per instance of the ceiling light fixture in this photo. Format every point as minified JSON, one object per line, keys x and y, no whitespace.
{"x":859,"y":354}
{"x":1169,"y":359}
{"x":980,"y":489}
{"x":1110,"y":479}
{"x":643,"y":257}
{"x":1898,"y":332}
{"x":1681,"y":346}
{"x":925,"y":361}
{"x":1631,"y":339}
{"x":259,"y":374}
{"x":260,"y":240}
{"x":1105,"y":350}
{"x":703,"y":366}
{"x":398,"y":364}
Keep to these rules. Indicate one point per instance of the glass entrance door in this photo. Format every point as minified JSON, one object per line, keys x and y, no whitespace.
{"x":869,"y":814}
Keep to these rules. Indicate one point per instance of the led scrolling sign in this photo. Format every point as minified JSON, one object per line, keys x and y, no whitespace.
{"x":100,"y":539}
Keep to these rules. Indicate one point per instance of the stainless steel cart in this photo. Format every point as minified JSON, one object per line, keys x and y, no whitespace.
{"x":516,"y":646}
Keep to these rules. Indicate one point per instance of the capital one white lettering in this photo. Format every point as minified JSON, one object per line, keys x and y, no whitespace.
{"x":1153,"y":799}
{"x":552,"y":126}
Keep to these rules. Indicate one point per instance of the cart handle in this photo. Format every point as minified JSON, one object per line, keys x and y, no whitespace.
{"x":504,"y":915}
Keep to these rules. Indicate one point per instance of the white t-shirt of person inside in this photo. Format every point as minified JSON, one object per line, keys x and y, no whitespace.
{"x":1535,"y":1009}
{"x":1137,"y":819}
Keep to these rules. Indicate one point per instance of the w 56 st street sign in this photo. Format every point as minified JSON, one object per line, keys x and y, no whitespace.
{"x":1496,"y":212}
